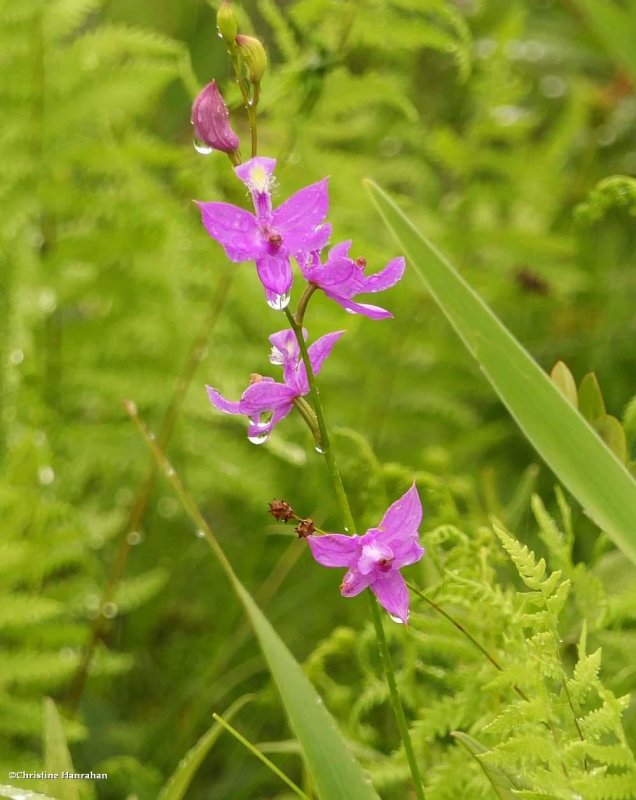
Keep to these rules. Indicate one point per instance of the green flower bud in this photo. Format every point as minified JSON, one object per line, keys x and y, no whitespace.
{"x":226,"y":23}
{"x":253,"y":55}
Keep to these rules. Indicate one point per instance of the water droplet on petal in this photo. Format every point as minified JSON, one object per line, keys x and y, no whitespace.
{"x":259,"y":438}
{"x":201,"y":147}
{"x":278,"y":301}
{"x":397,"y":619}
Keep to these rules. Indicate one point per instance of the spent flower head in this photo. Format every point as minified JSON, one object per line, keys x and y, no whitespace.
{"x":375,"y":559}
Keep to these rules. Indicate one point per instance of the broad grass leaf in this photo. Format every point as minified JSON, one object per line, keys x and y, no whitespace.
{"x":566,"y":442}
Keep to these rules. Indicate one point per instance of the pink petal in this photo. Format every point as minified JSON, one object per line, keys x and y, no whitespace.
{"x":335,"y":549}
{"x":299,"y":216}
{"x":388,"y":277}
{"x":403,"y":518}
{"x":244,"y":171}
{"x":265,"y":395}
{"x":354,"y":582}
{"x":321,"y":348}
{"x":340,"y":250}
{"x":318,"y":352}
{"x":406,"y":552}
{"x":332,"y":274}
{"x":390,"y":589}
{"x":218,"y":401}
{"x":275,"y":273}
{"x":235,"y":229}
{"x":373,"y":312}
{"x":265,"y":428}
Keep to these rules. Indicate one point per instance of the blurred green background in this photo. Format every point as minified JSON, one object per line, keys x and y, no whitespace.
{"x":491,"y":121}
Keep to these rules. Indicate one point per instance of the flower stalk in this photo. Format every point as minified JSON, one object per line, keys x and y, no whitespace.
{"x":350,"y":526}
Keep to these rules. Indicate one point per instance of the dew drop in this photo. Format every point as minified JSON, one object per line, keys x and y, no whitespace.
{"x":170,"y":471}
{"x":201,"y":147}
{"x":397,"y":619}
{"x":278,"y":301}
{"x":258,"y":438}
{"x":110,"y":610}
{"x":134,"y":537}
{"x":16,"y":356}
{"x":319,"y":449}
{"x":199,"y":533}
{"x":46,"y":475}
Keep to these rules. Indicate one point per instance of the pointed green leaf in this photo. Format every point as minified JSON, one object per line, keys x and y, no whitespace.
{"x":591,"y":403}
{"x":563,"y":379}
{"x":335,"y":773}
{"x":561,"y":436}
{"x":611,"y":432}
{"x":57,"y":757}
{"x":500,"y":782}
{"x":181,"y":778}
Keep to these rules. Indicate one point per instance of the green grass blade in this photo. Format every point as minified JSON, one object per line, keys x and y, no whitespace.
{"x":615,"y":27}
{"x":335,"y":773}
{"x":13,"y":793}
{"x":559,"y":433}
{"x":261,"y":757}
{"x":503,"y":787}
{"x":57,"y":757}
{"x":181,"y":778}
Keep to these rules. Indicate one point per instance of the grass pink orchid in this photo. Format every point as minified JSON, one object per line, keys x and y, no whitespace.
{"x":375,"y":559}
{"x":272,"y":235}
{"x":341,"y":278}
{"x":265,"y":401}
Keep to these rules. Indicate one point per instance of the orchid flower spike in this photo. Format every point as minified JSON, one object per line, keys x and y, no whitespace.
{"x":341,"y":278}
{"x":266,"y":402}
{"x":375,"y":559}
{"x":270,"y":236}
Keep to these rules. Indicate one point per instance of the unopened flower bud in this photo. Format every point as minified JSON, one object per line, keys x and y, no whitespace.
{"x":211,"y":121}
{"x":253,"y":55}
{"x":226,"y":23}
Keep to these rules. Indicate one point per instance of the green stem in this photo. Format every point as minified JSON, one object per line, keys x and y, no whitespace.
{"x":466,"y":633}
{"x":398,"y":708}
{"x":250,"y":105}
{"x":332,"y":466}
{"x":345,"y":509}
{"x":303,"y":302}
{"x":261,"y":756}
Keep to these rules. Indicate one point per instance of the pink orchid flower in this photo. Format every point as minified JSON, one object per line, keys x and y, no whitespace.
{"x":375,"y":559}
{"x":266,"y":402}
{"x":271,"y":236}
{"x":341,"y":278}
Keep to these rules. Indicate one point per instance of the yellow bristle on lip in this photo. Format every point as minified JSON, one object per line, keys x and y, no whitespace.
{"x":259,"y":179}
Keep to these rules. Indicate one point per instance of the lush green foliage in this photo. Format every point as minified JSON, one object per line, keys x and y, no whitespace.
{"x":506,"y":131}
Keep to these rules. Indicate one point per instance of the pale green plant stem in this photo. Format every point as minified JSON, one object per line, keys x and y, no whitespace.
{"x":261,"y":756}
{"x":250,"y":104}
{"x":349,"y":523}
